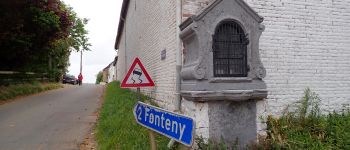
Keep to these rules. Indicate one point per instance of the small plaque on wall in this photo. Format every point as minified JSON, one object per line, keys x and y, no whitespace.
{"x":163,"y":54}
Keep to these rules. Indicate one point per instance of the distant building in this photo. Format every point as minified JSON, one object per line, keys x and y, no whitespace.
{"x":112,"y":72}
{"x":105,"y":73}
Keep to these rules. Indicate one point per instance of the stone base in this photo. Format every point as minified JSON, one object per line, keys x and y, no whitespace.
{"x":231,"y":121}
{"x":224,"y":121}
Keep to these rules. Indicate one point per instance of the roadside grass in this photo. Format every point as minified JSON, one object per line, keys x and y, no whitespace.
{"x":324,"y":133}
{"x":306,"y":128}
{"x":13,"y":91}
{"x":117,"y":128}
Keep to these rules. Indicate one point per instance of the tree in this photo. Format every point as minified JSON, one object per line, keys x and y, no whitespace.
{"x":99,"y":77}
{"x":39,"y":35}
{"x":78,"y":35}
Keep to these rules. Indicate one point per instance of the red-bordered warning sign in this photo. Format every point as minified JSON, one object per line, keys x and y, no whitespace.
{"x":137,"y":76}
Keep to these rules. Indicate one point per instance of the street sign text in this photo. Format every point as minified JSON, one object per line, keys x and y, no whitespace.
{"x":175,"y":126}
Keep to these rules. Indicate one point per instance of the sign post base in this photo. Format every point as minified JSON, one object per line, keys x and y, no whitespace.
{"x":152,"y":138}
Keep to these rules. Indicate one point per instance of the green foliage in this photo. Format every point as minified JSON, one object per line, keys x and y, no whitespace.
{"x":45,"y":21}
{"x":78,"y":35}
{"x":13,"y":91}
{"x":38,"y":36}
{"x":117,"y":128}
{"x":307,"y":128}
{"x":211,"y":145}
{"x":309,"y":105}
{"x":99,"y":77}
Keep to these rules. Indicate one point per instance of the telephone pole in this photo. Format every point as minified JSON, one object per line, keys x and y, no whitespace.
{"x":81,"y":61}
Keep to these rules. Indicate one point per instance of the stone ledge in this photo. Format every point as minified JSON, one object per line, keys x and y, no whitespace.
{"x":231,"y":95}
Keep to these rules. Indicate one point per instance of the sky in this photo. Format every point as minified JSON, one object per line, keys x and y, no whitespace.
{"x":103,"y":22}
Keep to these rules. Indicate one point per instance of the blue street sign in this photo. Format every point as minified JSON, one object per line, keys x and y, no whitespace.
{"x":175,"y":126}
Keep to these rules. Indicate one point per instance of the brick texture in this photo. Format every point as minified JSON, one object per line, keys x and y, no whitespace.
{"x":151,"y":28}
{"x":306,"y":44}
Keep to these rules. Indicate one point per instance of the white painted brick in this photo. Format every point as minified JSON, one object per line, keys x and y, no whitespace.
{"x":199,"y":112}
{"x":306,"y":44}
{"x":151,"y":28}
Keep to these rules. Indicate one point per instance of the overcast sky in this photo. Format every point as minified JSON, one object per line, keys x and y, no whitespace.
{"x":103,"y":18}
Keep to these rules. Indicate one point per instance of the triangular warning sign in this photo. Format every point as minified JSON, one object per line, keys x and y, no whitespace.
{"x":137,"y":76}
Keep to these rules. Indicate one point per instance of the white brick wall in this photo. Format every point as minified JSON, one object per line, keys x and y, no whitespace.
{"x":151,"y":28}
{"x":199,"y":112}
{"x":306,"y":44}
{"x":190,"y":7}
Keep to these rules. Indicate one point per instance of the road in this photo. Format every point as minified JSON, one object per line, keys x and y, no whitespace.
{"x":53,"y":120}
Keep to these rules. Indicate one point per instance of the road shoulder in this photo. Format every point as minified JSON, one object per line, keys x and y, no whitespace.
{"x":89,"y":142}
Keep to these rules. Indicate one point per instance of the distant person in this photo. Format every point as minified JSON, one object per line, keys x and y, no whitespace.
{"x":80,"y":79}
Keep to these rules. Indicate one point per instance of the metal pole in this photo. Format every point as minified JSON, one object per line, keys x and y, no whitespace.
{"x":81,"y":61}
{"x":153,"y":140}
{"x":138,"y":94}
{"x":178,"y":63}
{"x":151,"y":133}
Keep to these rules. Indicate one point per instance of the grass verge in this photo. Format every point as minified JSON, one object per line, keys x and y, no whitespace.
{"x":323,"y":133}
{"x":117,"y":128}
{"x":306,"y":128}
{"x":13,"y":91}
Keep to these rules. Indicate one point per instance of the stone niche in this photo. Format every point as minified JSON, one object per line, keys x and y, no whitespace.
{"x":222,"y":68}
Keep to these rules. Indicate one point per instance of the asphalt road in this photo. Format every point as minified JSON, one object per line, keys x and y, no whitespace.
{"x":53,"y":120}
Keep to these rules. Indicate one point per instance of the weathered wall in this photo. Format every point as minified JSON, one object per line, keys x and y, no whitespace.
{"x":151,"y":28}
{"x":229,"y":120}
{"x":190,"y":7}
{"x":305,"y":44}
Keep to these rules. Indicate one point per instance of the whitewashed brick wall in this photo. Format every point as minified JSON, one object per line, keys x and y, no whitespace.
{"x":198,"y":112}
{"x":151,"y":28}
{"x":306,"y":44}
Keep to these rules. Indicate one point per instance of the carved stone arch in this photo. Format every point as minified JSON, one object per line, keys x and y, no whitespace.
{"x":203,"y":26}
{"x":226,"y":18}
{"x":230,"y":49}
{"x":211,"y":31}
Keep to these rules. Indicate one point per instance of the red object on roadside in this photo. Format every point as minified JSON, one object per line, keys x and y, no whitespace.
{"x":80,"y":77}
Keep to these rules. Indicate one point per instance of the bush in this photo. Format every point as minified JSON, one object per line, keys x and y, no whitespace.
{"x":99,"y":77}
{"x":306,"y":128}
{"x":12,"y":91}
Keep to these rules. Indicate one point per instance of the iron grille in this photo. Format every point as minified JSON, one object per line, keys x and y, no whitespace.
{"x":230,"y":50}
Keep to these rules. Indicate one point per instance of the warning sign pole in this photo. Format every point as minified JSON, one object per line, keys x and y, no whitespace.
{"x":137,"y":76}
{"x":153,"y":140}
{"x":151,"y":133}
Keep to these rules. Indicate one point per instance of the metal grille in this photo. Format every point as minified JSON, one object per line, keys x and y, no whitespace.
{"x":230,"y":50}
